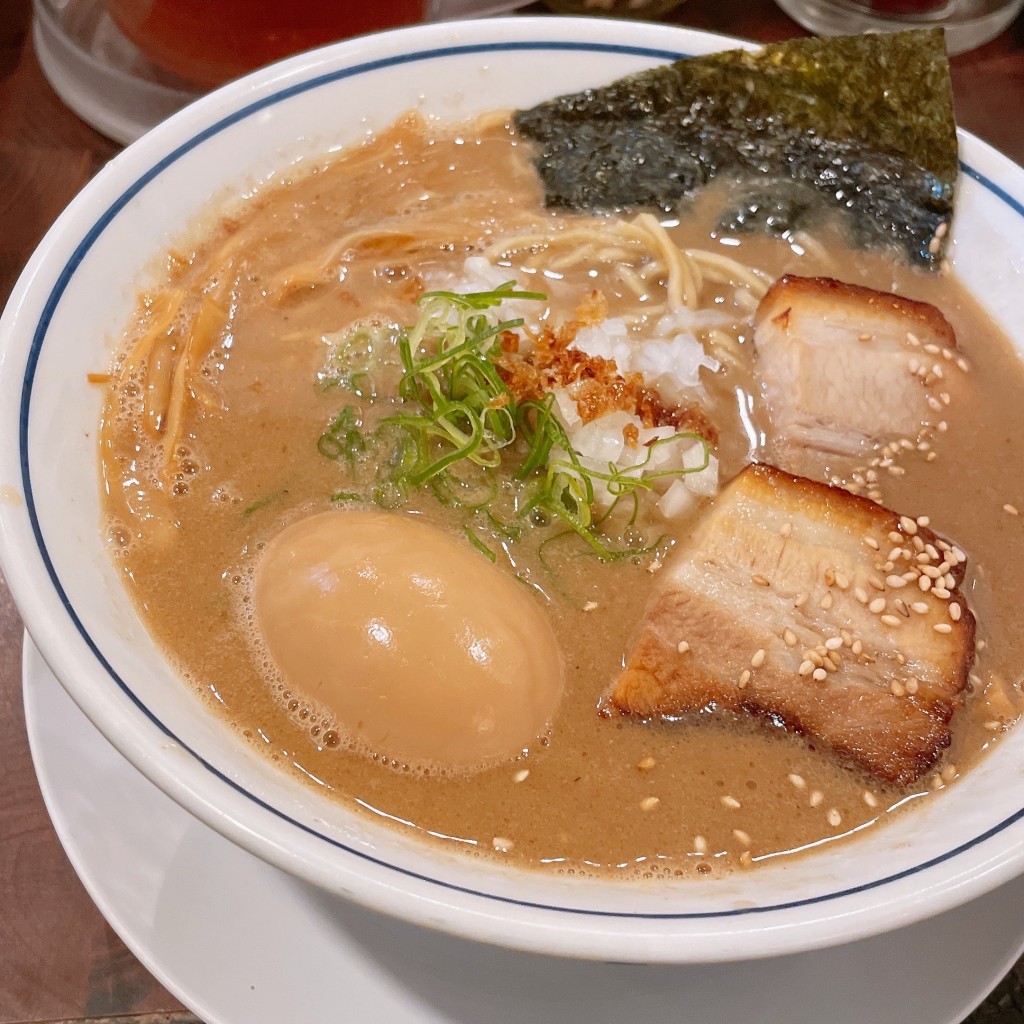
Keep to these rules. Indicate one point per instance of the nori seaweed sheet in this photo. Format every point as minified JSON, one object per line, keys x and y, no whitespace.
{"x":864,"y":121}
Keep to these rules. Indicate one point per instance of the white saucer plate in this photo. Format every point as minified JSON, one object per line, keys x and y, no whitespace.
{"x":241,"y":942}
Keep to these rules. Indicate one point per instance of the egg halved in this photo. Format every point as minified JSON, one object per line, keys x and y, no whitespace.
{"x":418,"y":647}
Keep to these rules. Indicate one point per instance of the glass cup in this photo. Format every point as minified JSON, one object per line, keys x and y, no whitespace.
{"x":968,"y":23}
{"x":124,"y":65}
{"x":211,"y":41}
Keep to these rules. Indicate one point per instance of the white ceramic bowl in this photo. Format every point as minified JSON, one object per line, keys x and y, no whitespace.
{"x":71,"y":303}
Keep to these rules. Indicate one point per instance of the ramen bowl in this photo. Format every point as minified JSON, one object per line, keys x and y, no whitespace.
{"x":63,"y":321}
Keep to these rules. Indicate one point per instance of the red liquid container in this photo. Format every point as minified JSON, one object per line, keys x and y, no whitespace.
{"x":211,"y":41}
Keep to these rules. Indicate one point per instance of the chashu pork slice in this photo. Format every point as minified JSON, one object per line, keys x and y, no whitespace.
{"x":844,"y":367}
{"x":803,"y":603}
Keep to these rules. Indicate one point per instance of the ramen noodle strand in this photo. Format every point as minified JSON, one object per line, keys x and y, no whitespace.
{"x":159,"y":369}
{"x":162,"y":312}
{"x":725,"y":346}
{"x":683,"y":283}
{"x":175,"y":413}
{"x":724,"y":270}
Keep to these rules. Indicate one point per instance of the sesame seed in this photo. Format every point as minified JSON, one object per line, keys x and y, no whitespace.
{"x":924,"y":582}
{"x":746,"y":859}
{"x":900,"y":658}
{"x":797,"y":780}
{"x":908,"y":525}
{"x":896,"y":688}
{"x":800,"y":600}
{"x":731,"y":802}
{"x":932,"y":350}
{"x":877,"y":606}
{"x":921,"y":607}
{"x":890,"y":620}
{"x":682,"y":647}
{"x":789,"y":637}
{"x":760,"y":580}
{"x":815,"y":658}
{"x":894,"y":553}
{"x":913,"y":685}
{"x":870,"y":541}
{"x":895,"y":582}
{"x":819,"y":675}
{"x":942,"y":627}
{"x":901,"y":607}
{"x":857,"y":646}
{"x":860,"y":594}
{"x":955,"y":611}
{"x":993,"y":726}
{"x":521,"y":775}
{"x":825,"y":602}
{"x":744,"y":678}
{"x":741,"y":836}
{"x":645,"y":764}
{"x":1012,"y":509}
{"x":501,"y":844}
{"x":931,"y":456}
{"x":913,"y":339}
{"x":649,"y":803}
{"x":963,"y":364}
{"x":833,"y":643}
{"x":941,"y":592}
{"x":817,"y":798}
{"x":870,"y":799}
{"x":830,"y":576}
{"x":935,"y":783}
{"x":949,"y":773}
{"x":835,"y":819}
{"x":942,"y":426}
{"x":934,"y":404}
{"x":806,"y":668}
{"x":876,"y":583}
{"x":590,"y":606}
{"x":863,"y":337}
{"x":758,"y":659}
{"x":700,"y":845}
{"x":842,"y":582}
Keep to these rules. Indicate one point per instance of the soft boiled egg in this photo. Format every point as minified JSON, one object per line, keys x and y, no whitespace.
{"x":419,"y":648}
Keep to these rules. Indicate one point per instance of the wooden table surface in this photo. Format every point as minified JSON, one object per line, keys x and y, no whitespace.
{"x":59,"y":960}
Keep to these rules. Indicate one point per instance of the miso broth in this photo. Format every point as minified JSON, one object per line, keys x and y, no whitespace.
{"x":355,"y":238}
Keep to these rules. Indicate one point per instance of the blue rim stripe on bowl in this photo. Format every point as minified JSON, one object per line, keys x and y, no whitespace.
{"x":39,"y":336}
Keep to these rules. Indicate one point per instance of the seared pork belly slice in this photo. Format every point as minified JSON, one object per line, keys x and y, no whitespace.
{"x":825,"y":612}
{"x":846,"y":367}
